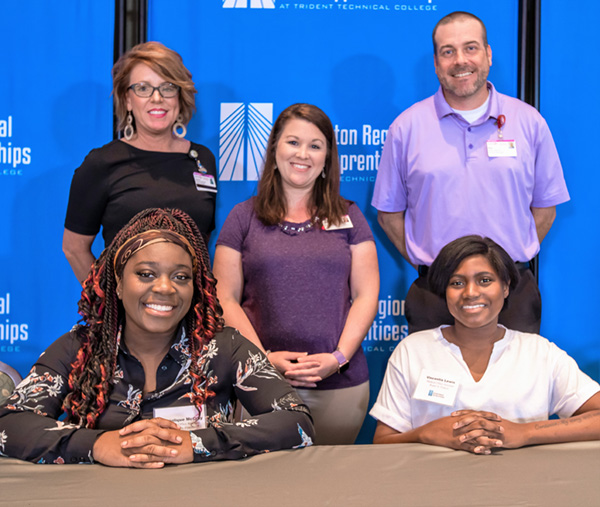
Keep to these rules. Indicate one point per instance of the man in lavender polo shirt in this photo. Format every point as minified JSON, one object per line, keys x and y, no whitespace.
{"x":468,"y":160}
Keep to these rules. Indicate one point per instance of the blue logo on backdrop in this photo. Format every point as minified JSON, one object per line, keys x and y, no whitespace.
{"x":254,"y":4}
{"x":11,"y":333}
{"x":388,"y":328}
{"x":11,"y":157}
{"x":243,"y":137}
{"x":337,"y":5}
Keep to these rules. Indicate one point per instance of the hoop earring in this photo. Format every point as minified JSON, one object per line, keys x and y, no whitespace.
{"x":179,"y":125}
{"x":128,"y":130}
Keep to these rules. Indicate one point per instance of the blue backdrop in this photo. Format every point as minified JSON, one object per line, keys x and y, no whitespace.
{"x":55,"y":105}
{"x":570,"y":103}
{"x":362,"y":62}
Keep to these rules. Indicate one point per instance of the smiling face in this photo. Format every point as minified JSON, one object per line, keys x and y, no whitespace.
{"x":462,"y":63}
{"x":153,"y":115}
{"x":475,"y":293}
{"x":156,"y":290}
{"x":300,"y":154}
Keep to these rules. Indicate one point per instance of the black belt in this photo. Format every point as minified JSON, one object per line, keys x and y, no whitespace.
{"x":521,"y":266}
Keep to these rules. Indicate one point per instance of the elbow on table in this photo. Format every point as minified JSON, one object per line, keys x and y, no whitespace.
{"x":304,"y":429}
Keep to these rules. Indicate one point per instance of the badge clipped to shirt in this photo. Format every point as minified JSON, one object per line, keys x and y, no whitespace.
{"x":436,"y":388}
{"x":205,"y":182}
{"x":501,"y":147}
{"x":346,"y":223}
{"x":187,"y":417}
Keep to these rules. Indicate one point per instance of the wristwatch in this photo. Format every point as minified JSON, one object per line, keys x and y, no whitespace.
{"x":343,"y":363}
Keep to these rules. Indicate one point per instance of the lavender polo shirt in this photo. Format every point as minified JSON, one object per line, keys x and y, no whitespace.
{"x":297,"y":286}
{"x":436,"y":166}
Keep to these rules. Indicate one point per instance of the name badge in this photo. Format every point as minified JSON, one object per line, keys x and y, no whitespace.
{"x":205,"y":182}
{"x":504,"y":148}
{"x":346,"y":223}
{"x":187,"y":416}
{"x":436,"y":388}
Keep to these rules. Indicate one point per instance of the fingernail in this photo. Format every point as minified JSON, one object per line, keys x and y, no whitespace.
{"x":173,"y":452}
{"x":487,"y":451}
{"x":123,"y":443}
{"x":498,"y":443}
{"x":179,"y":439}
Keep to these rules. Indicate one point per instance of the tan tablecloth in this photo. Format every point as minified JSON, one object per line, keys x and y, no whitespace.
{"x":363,"y":475}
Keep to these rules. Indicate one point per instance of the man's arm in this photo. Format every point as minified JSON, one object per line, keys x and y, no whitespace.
{"x":393,"y":225}
{"x":543,"y":218}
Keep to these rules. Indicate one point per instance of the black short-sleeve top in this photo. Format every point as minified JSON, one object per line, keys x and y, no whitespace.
{"x":117,"y":181}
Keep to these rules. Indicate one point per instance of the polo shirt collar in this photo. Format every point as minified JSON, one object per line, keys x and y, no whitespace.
{"x":442,"y":108}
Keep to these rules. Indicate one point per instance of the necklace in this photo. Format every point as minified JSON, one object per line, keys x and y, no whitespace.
{"x":292,"y":230}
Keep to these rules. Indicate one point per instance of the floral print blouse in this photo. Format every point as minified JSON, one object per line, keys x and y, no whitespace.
{"x":235,"y":370}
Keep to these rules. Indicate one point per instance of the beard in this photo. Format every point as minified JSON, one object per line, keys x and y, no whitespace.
{"x":467,"y":89}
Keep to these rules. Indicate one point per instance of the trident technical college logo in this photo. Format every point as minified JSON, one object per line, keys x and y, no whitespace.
{"x":243,"y":4}
{"x":243,"y":137}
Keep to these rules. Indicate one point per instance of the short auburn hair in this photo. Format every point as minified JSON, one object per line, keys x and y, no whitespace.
{"x":166,"y":63}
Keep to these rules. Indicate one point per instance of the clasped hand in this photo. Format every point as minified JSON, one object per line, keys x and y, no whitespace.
{"x":149,"y":443}
{"x":469,"y":430}
{"x":304,"y":370}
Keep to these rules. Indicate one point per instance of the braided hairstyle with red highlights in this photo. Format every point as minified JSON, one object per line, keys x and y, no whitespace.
{"x":90,"y":380}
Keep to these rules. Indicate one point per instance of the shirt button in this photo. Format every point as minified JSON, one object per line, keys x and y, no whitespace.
{"x":469,"y":129}
{"x":470,"y":146}
{"x":163,"y":367}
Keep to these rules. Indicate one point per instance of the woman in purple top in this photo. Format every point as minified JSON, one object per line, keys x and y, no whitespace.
{"x":298,"y":275}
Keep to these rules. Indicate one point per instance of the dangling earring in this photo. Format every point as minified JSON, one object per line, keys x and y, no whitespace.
{"x":128,"y":130}
{"x":179,"y":125}
{"x":323,"y":173}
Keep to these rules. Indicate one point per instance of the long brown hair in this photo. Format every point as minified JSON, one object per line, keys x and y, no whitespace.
{"x":270,"y":203}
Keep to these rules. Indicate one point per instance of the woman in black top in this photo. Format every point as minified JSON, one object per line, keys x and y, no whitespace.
{"x":152,"y":165}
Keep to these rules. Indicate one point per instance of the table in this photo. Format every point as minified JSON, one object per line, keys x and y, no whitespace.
{"x":362,"y":475}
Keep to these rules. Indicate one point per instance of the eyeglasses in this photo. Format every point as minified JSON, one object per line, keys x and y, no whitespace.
{"x":166,"y":90}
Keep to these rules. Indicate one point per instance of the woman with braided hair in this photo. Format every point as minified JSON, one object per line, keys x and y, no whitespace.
{"x":151,"y":375}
